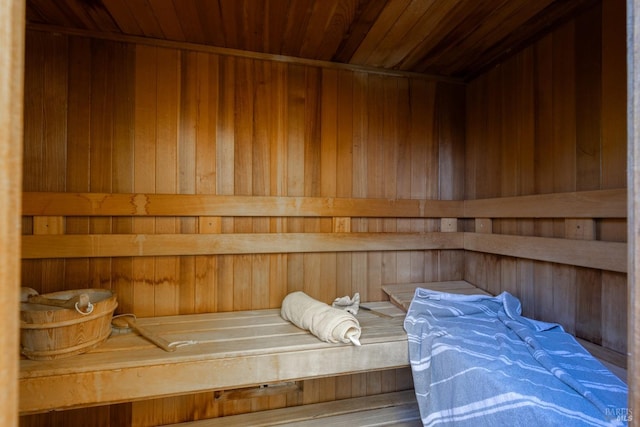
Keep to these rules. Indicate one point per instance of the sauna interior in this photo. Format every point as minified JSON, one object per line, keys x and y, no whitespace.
{"x":333,"y":147}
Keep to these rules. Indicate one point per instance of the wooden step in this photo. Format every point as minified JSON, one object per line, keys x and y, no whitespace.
{"x":388,"y":409}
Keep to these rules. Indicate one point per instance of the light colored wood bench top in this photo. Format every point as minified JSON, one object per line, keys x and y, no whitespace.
{"x":401,"y":294}
{"x":387,"y":409}
{"x":233,"y":350}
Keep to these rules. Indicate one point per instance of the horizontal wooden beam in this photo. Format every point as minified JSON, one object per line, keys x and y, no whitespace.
{"x":119,"y":204}
{"x":596,"y":254}
{"x":585,"y":253}
{"x":126,"y":245}
{"x":581,"y":204}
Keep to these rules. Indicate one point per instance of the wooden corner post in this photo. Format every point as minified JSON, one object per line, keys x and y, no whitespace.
{"x":12,"y":28}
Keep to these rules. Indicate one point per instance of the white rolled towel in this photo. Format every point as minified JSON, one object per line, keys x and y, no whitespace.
{"x":327,"y":323}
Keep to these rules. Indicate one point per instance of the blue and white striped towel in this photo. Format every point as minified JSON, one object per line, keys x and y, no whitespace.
{"x":476,"y":361}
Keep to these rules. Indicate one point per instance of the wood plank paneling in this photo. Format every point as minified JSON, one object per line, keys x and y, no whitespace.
{"x":136,"y":118}
{"x":560,"y":105}
{"x":139,"y":118}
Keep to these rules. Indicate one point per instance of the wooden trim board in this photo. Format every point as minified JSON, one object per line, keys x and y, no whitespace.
{"x":592,"y":254}
{"x":583,"y":204}
{"x":120,"y":204}
{"x":119,"y":245}
{"x":596,"y":254}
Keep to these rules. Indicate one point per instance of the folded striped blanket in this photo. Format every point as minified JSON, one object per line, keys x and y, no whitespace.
{"x":477,"y":361}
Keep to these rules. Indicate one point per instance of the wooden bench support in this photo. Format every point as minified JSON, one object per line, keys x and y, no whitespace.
{"x":388,"y":409}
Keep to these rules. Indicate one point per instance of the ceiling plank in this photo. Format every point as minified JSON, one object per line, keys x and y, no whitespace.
{"x":366,"y":15}
{"x":388,"y":17}
{"x":122,"y":16}
{"x":165,"y":13}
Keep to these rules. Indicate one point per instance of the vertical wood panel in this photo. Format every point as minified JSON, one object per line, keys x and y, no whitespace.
{"x":101,"y":147}
{"x":78,"y":152}
{"x":204,"y":278}
{"x":145,"y":170}
{"x":168,"y":156}
{"x":296,"y":99}
{"x":123,"y":166}
{"x":344,"y":178}
{"x":559,"y":127}
{"x":11,"y":134}
{"x":225,"y":168}
{"x":615,"y":294}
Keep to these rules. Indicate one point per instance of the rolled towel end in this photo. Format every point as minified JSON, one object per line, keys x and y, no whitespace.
{"x":354,"y":337}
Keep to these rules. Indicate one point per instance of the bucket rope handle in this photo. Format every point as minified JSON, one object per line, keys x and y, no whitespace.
{"x":85,"y":313}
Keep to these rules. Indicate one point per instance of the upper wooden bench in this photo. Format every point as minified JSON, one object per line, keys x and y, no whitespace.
{"x":231,"y":350}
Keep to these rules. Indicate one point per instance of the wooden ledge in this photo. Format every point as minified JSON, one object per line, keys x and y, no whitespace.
{"x":118,"y":245}
{"x":401,"y":294}
{"x":232,"y":350}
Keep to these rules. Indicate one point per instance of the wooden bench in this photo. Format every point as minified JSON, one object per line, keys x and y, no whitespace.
{"x":397,"y":409}
{"x":387,"y":409}
{"x":231,"y":350}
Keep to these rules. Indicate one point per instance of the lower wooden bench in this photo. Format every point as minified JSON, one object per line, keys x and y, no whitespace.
{"x":229,"y":351}
{"x":387,"y":409}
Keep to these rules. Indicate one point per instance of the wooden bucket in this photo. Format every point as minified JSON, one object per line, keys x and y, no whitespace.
{"x":48,"y":332}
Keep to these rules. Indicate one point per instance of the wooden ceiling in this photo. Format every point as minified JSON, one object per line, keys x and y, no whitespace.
{"x":454,"y":38}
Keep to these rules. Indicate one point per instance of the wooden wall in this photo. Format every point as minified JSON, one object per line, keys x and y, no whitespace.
{"x":103,"y":116}
{"x":552,"y":119}
{"x":106,"y":116}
